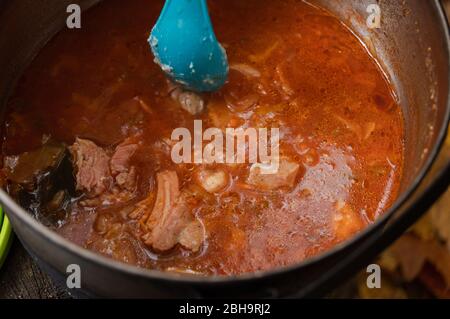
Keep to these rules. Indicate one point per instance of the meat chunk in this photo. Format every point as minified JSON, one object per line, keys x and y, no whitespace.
{"x":189,"y":101}
{"x":346,"y":221}
{"x":192,"y":236}
{"x":127,"y":180}
{"x":267,"y":180}
{"x":171,"y":221}
{"x":212,"y":181}
{"x":120,"y":161}
{"x":103,"y":178}
{"x":141,"y":210}
{"x":166,"y":197}
{"x":362,"y":131}
{"x":93,"y":175}
{"x":168,"y":228}
{"x":125,"y":174}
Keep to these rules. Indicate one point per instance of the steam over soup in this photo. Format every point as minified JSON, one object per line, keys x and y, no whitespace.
{"x":88,"y":140}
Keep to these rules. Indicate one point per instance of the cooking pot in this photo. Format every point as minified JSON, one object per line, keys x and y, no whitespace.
{"x":412,"y":46}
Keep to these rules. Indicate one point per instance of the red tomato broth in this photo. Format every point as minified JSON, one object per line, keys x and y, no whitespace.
{"x":314,"y":80}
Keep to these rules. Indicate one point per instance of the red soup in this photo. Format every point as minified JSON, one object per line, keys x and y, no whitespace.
{"x":87,"y":141}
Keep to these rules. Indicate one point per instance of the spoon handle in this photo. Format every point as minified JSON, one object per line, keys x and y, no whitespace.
{"x":186,"y":47}
{"x":186,"y":13}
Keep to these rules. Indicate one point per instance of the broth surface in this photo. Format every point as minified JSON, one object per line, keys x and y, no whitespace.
{"x":293,"y":66}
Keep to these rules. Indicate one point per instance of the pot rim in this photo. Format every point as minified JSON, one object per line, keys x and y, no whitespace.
{"x":65,"y":244}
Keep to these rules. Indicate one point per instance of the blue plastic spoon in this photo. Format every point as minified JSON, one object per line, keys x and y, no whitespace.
{"x":185,"y":46}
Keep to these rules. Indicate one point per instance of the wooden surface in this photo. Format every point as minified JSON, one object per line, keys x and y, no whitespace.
{"x":20,"y":277}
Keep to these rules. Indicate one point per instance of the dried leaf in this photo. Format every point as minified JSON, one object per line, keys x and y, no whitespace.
{"x":413,"y":253}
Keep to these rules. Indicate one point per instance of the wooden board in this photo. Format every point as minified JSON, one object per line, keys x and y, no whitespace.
{"x":20,"y":277}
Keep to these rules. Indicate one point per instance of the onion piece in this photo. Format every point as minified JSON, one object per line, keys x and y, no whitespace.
{"x":246,"y":70}
{"x":265,"y":54}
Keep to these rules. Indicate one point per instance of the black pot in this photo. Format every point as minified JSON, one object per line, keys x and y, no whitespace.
{"x":413,"y":45}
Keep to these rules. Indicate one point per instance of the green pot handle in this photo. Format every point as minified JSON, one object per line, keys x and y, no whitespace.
{"x":5,"y":236}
